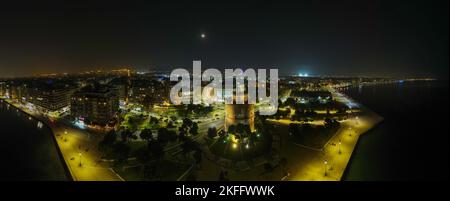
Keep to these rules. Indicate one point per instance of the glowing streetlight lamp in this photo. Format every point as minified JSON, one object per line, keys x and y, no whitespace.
{"x":325,"y":162}
{"x":80,"y":159}
{"x":339,"y":146}
{"x":65,"y":135}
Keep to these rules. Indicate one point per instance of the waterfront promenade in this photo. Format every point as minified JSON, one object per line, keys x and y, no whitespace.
{"x":329,"y":164}
{"x":78,"y":149}
{"x":83,"y":160}
{"x":306,"y":163}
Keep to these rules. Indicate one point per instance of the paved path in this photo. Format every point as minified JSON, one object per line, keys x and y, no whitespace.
{"x":305,"y":164}
{"x":71,"y":143}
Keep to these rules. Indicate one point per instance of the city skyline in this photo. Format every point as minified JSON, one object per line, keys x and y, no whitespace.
{"x":175,"y":99}
{"x":377,"y":39}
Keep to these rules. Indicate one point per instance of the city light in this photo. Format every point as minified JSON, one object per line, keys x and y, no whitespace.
{"x":303,"y":75}
{"x":287,"y":93}
{"x":39,"y":124}
{"x":80,"y":124}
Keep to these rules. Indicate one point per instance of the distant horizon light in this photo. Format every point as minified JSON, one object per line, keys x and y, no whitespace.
{"x":303,"y":75}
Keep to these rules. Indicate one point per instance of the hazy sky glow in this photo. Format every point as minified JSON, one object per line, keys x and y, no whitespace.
{"x":317,"y":37}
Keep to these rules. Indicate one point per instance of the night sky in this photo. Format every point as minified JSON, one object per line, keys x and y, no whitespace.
{"x":375,"y":38}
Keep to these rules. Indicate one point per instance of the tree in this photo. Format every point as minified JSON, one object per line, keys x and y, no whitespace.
{"x":194,"y":129}
{"x":153,"y":120}
{"x":110,"y":137}
{"x":172,"y":135}
{"x":283,"y":163}
{"x":105,"y":148}
{"x":187,"y":123}
{"x":125,"y":135}
{"x":146,"y":134}
{"x":221,"y":133}
{"x":327,"y":122}
{"x":288,"y":112}
{"x":290,"y":102}
{"x":106,"y":145}
{"x":134,"y":137}
{"x":156,"y":149}
{"x":182,"y":134}
{"x":240,"y":128}
{"x":293,"y":128}
{"x":232,"y":129}
{"x":164,"y":135}
{"x":188,"y":146}
{"x":331,"y":123}
{"x":143,"y":155}
{"x":198,"y":156}
{"x":268,"y":168}
{"x":259,"y":123}
{"x":121,"y":150}
{"x":306,"y":127}
{"x":212,"y":132}
{"x":280,"y":103}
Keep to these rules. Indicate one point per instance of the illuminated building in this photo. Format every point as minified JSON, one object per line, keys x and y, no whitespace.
{"x":147,"y":92}
{"x":120,"y":88}
{"x":240,"y":114}
{"x":50,"y":96}
{"x":2,"y":89}
{"x":94,"y":104}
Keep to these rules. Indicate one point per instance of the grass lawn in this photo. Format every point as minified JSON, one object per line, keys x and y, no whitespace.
{"x":133,"y":121}
{"x":135,"y":145}
{"x":314,"y":137}
{"x":166,"y":171}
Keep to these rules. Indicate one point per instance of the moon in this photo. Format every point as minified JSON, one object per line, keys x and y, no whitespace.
{"x":203,"y":35}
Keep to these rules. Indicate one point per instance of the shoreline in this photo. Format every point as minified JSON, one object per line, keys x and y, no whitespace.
{"x":345,"y":173}
{"x":78,"y":151}
{"x":311,"y":171}
{"x":379,"y":120}
{"x":66,"y":167}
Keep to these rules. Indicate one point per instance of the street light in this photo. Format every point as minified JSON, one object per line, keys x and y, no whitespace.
{"x":350,"y":128}
{"x":65,"y":135}
{"x":325,"y":162}
{"x":80,"y":159}
{"x":340,"y":146}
